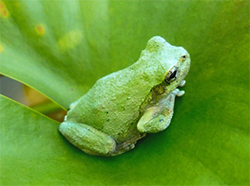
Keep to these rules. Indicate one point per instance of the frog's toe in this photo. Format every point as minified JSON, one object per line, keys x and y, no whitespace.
{"x":65,"y":118}
{"x":175,"y":91}
{"x":131,"y":146}
{"x":183,"y":82}
{"x":180,"y":93}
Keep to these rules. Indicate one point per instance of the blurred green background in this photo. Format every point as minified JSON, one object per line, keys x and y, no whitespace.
{"x":60,"y":48}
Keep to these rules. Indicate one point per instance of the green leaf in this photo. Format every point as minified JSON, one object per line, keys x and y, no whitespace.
{"x":62,"y":47}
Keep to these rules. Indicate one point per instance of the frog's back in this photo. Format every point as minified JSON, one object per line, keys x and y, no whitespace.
{"x":112,"y":105}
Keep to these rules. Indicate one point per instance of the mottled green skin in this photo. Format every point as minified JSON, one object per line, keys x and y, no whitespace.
{"x":113,"y":104}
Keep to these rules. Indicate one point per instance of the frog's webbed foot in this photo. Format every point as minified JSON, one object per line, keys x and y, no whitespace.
{"x":88,"y":139}
{"x":128,"y":144}
{"x":123,"y":147}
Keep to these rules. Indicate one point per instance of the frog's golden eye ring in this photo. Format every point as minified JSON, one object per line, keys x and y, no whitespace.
{"x":171,"y":75}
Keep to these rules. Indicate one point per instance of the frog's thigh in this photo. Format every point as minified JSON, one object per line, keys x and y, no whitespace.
{"x":154,"y":121}
{"x":87,"y":138}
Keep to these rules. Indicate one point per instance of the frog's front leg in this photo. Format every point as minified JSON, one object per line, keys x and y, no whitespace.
{"x":87,"y":138}
{"x":158,"y":118}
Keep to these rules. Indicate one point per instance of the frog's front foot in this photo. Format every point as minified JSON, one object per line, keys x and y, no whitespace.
{"x":178,"y":92}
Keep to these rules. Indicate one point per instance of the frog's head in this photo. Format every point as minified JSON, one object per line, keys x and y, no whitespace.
{"x":172,"y":62}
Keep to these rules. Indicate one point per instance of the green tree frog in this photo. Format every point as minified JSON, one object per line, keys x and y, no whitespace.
{"x":124,"y":106}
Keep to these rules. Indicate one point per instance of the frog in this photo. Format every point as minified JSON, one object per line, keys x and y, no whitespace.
{"x":124,"y":106}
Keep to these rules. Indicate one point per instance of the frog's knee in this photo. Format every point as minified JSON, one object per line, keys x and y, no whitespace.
{"x":87,"y":138}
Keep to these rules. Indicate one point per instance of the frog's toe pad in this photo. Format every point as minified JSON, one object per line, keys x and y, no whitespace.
{"x":183,"y":82}
{"x":180,"y":93}
{"x":129,"y":147}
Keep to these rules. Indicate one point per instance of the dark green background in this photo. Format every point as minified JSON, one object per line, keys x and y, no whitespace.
{"x":208,"y":140}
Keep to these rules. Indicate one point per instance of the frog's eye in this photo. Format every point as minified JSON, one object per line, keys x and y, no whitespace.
{"x":171,"y":75}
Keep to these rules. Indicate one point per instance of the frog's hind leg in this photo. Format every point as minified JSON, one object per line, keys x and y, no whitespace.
{"x":156,"y":119}
{"x":87,"y":138}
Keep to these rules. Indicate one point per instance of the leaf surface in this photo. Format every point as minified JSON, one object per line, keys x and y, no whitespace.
{"x":62,"y":47}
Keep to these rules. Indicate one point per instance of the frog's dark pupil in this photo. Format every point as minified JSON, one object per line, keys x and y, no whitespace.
{"x":173,"y":75}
